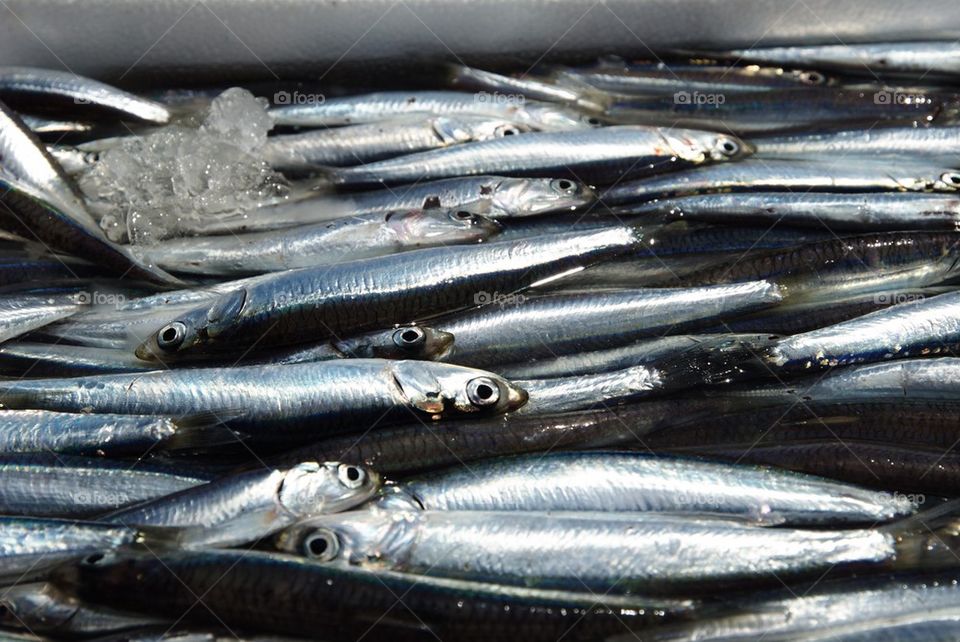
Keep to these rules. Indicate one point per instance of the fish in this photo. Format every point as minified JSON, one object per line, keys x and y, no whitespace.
{"x":912,"y":58}
{"x":605,"y":155}
{"x":840,"y":211}
{"x":939,"y":144}
{"x":348,"y":602}
{"x":358,"y":144}
{"x":405,"y":342}
{"x":22,"y":358}
{"x":248,"y":506}
{"x":42,"y":608}
{"x":40,"y":201}
{"x":787,"y":176}
{"x":37,"y":86}
{"x":275,"y":402}
{"x":640,"y":482}
{"x":42,"y":431}
{"x":33,"y":546}
{"x":329,"y":243}
{"x":497,"y":197}
{"x":379,"y":106}
{"x":525,"y":87}
{"x":603,"y":552}
{"x":520,"y":328}
{"x":414,"y":446}
{"x":23,"y":313}
{"x":789,"y":108}
{"x":365,"y":294}
{"x":53,"y":485}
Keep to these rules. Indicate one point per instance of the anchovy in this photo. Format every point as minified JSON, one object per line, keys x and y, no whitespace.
{"x":838,"y":211}
{"x":937,"y":144}
{"x":21,"y":358}
{"x":358,"y":144}
{"x":938,"y":58}
{"x":53,"y":485}
{"x":582,"y":392}
{"x":406,"y":342}
{"x":520,"y":328}
{"x":789,"y":108}
{"x":605,"y":552}
{"x":348,"y":602}
{"x":31,"y":546}
{"x":415,"y":447}
{"x":43,"y":608}
{"x":660,"y":79}
{"x":41,"y":203}
{"x":20,"y":314}
{"x":914,"y":328}
{"x":787,"y":176}
{"x":494,"y":196}
{"x":372,"y":293}
{"x":42,"y":431}
{"x":249,"y":506}
{"x":356,"y":237}
{"x":374,"y":107}
{"x":847,"y":267}
{"x":644,"y":352}
{"x":603,"y":155}
{"x":82,"y":93}
{"x":281,"y":401}
{"x":516,"y":88}
{"x":39,"y":125}
{"x":628,"y":482}
{"x":832,"y":604}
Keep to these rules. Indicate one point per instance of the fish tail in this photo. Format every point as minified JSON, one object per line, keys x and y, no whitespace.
{"x":201,"y":431}
{"x":928,"y":539}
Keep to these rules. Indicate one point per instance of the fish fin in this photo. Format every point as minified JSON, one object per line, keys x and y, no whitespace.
{"x":159,"y":538}
{"x":203,"y":430}
{"x":929,"y":538}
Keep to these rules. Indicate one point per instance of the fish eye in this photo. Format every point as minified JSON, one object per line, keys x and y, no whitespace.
{"x":461,"y":215}
{"x":321,"y":545}
{"x":508,"y":131}
{"x":351,"y":476}
{"x":728,"y":146}
{"x":564,"y":186}
{"x":92,"y":560}
{"x":483,"y":392}
{"x":171,"y":336}
{"x":812,"y":78}
{"x":951,"y":178}
{"x":409,"y":337}
{"x":593,"y":120}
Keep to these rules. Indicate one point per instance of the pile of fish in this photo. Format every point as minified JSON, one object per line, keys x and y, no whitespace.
{"x":637,"y":350}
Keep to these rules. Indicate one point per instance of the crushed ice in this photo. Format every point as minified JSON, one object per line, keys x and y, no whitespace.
{"x":159,"y":185}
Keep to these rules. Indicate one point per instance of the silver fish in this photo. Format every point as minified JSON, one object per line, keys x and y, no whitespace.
{"x":82,"y":92}
{"x":41,"y":607}
{"x":406,"y":342}
{"x":59,"y":485}
{"x":939,"y":144}
{"x":32,"y":546}
{"x":248,"y":506}
{"x":920,"y":58}
{"x":358,"y":144}
{"x":787,"y":175}
{"x":617,"y":482}
{"x":518,"y":328}
{"x":372,"y":293}
{"x":20,"y":314}
{"x":583,"y":392}
{"x":282,"y":401}
{"x":602,"y":155}
{"x":368,"y":108}
{"x":607,"y":552}
{"x":497,"y":86}
{"x":836,"y":210}
{"x":351,"y":238}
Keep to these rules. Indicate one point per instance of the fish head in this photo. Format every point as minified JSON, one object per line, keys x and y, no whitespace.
{"x":312,"y":488}
{"x":697,"y":146}
{"x":948,"y":181}
{"x":431,"y":226}
{"x":466,"y":129}
{"x":357,"y":537}
{"x":446,"y":389}
{"x":194,"y":329}
{"x":406,"y":342}
{"x":533,"y":196}
{"x":28,"y":605}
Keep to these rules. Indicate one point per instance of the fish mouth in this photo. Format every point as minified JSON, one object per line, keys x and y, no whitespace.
{"x":146,"y":351}
{"x":444,"y":344}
